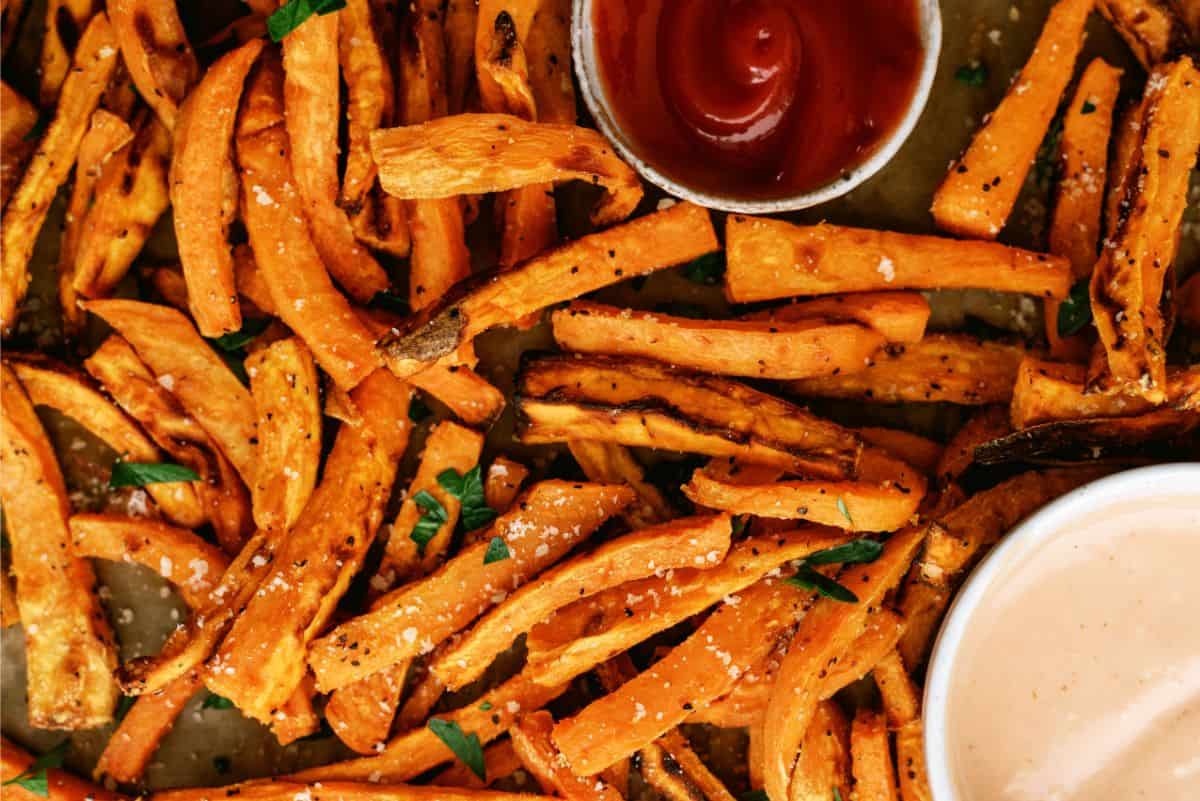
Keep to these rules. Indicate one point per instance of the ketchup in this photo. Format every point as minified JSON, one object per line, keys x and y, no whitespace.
{"x":757,"y":99}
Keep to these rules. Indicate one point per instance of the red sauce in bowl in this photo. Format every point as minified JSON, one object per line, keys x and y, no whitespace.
{"x":757,"y":99}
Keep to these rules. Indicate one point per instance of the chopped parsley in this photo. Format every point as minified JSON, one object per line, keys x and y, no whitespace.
{"x":497,"y":551}
{"x":291,"y":14}
{"x":139,"y":474}
{"x":433,"y":516}
{"x":975,"y":74}
{"x":34,"y":778}
{"x":468,"y":488}
{"x":465,"y":746}
{"x":1075,"y":311}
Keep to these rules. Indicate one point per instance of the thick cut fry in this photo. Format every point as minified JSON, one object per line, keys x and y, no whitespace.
{"x":64,"y":21}
{"x":204,"y":190}
{"x":143,"y":397}
{"x":1052,"y":391}
{"x":899,"y":316}
{"x":688,"y":542}
{"x":166,"y":341}
{"x":1127,"y":285}
{"x":288,"y":261}
{"x":553,"y":517}
{"x":871,"y":759}
{"x":923,"y":454}
{"x":948,"y":368}
{"x":770,"y":259}
{"x":139,"y":733}
{"x":503,"y":482}
{"x":643,"y":404}
{"x":676,"y":235}
{"x":156,"y":52}
{"x":286,"y":392}
{"x":418,"y":750}
{"x":68,"y":646}
{"x":479,"y":153}
{"x":822,"y":637}
{"x":531,"y":742}
{"x":62,"y":389}
{"x":978,"y":194}
{"x":593,"y":630}
{"x":824,"y":762}
{"x":499,"y":761}
{"x":17,"y":119}
{"x":61,"y":785}
{"x":614,"y":464}
{"x":310,"y":93}
{"x":282,"y":790}
{"x":262,"y":660}
{"x":1153,"y":29}
{"x":94,"y":63}
{"x":728,"y":347}
{"x":910,"y":762}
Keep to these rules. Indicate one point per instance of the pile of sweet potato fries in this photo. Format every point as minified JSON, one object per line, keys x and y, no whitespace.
{"x":264,"y":390}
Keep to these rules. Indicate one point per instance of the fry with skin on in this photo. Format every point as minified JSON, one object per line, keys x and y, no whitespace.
{"x":286,"y":392}
{"x":95,"y":61}
{"x":156,"y":52}
{"x":610,"y":463}
{"x":287,"y":259}
{"x":479,"y":153}
{"x":531,"y":742}
{"x":981,"y":188}
{"x":779,"y":350}
{"x":61,"y":785}
{"x":676,"y":235}
{"x":1154,"y":29}
{"x":17,"y":119}
{"x":769,"y":259}
{"x":1128,"y":283}
{"x":68,"y":645}
{"x":203,"y":189}
{"x":63,"y":22}
{"x":947,"y":368}
{"x":824,"y":762}
{"x":310,"y":94}
{"x":899,"y":316}
{"x":871,"y":759}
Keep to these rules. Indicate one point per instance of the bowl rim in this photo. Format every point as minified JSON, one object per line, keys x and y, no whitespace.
{"x":591,"y":85}
{"x":1141,"y":482}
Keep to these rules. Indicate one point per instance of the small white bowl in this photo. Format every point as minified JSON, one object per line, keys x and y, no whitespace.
{"x":1116,"y":490}
{"x":587,"y":70}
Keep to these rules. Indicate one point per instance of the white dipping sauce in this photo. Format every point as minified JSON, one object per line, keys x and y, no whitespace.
{"x":1078,"y":675}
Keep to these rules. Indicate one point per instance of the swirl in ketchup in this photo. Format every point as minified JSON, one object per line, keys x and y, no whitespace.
{"x":757,"y":98}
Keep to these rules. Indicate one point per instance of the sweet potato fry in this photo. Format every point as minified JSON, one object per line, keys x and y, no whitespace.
{"x":592,"y":630}
{"x":981,"y":188}
{"x":687,"y":542}
{"x":166,"y":341}
{"x":1153,"y":29}
{"x":883,"y":498}
{"x":824,"y":762}
{"x":726,"y":347}
{"x":139,"y":733}
{"x":609,"y":463}
{"x":871,"y":759}
{"x":418,"y":750}
{"x":678,"y":234}
{"x":433,"y":609}
{"x":156,"y":52}
{"x":899,"y":316}
{"x":287,"y":259}
{"x":1127,"y":285}
{"x":503,"y":482}
{"x":94,"y":63}
{"x":261,"y":662}
{"x":642,"y":404}
{"x":286,"y":392}
{"x":948,"y":368}
{"x":442,"y":158}
{"x":282,"y":790}
{"x":499,"y":761}
{"x":61,"y":785}
{"x":68,"y":645}
{"x":310,"y":94}
{"x":823,"y":635}
{"x":770,"y":259}
{"x":1052,"y":391}
{"x":64,"y":20}
{"x":531,"y":742}
{"x":17,"y":119}
{"x":203,"y":189}
{"x":923,"y":454}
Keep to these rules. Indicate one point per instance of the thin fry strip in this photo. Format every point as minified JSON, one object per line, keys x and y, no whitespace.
{"x":750,"y":348}
{"x":433,"y":609}
{"x":948,"y":368}
{"x":824,"y":763}
{"x":899,"y":316}
{"x":94,"y":62}
{"x":61,"y":785}
{"x":204,"y":190}
{"x":441,"y":158}
{"x":531,"y":742}
{"x":978,"y":193}
{"x":680,"y":543}
{"x":769,"y":259}
{"x":139,"y":733}
{"x":17,"y":118}
{"x":261,"y":661}
{"x":871,"y":759}
{"x":614,"y":464}
{"x":63,"y":22}
{"x":650,"y":243}
{"x":68,"y":646}
{"x":823,"y":635}
{"x":310,"y":94}
{"x":1153,"y":29}
{"x":155,"y":49}
{"x":287,"y":259}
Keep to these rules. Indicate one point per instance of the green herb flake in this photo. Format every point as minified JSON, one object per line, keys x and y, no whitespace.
{"x":139,"y":474}
{"x":497,"y":551}
{"x":465,"y":746}
{"x":34,"y":778}
{"x":1075,"y":311}
{"x":856,"y":552}
{"x":975,"y":74}
{"x":1088,"y":107}
{"x":214,"y":701}
{"x":841,"y":505}
{"x":291,"y":14}
{"x":809,"y":579}
{"x":468,"y":489}
{"x":433,"y":517}
{"x":708,"y":270}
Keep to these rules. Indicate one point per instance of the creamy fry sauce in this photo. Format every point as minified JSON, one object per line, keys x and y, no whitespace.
{"x":1078,"y":678}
